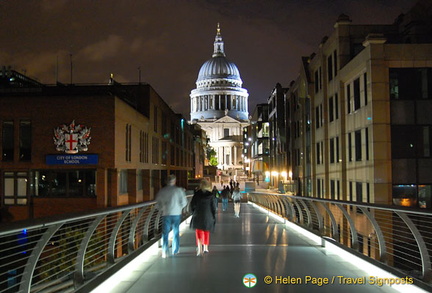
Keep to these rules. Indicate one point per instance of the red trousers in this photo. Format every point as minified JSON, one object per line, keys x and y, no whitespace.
{"x":203,"y":236}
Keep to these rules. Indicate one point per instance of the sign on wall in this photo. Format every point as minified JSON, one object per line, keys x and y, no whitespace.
{"x":72,"y":159}
{"x":72,"y":138}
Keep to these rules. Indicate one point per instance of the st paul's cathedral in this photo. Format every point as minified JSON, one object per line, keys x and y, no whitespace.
{"x":219,"y":105}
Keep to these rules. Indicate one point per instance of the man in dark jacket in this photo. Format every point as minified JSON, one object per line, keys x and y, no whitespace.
{"x":225,"y":195}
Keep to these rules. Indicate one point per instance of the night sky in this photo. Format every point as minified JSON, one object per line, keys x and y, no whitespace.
{"x":170,"y":40}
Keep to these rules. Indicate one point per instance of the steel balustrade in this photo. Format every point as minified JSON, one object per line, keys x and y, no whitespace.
{"x":67,"y":254}
{"x":396,"y":238}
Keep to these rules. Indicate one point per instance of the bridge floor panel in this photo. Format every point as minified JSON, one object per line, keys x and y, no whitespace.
{"x":254,"y":244}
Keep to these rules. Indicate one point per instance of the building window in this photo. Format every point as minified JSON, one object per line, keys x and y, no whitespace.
{"x":8,"y":141}
{"x":350,"y":158}
{"x":319,"y":154}
{"x":319,"y":117}
{"x":411,"y":141}
{"x":318,"y":81}
{"x":331,"y":109}
{"x":365,"y":89}
{"x":335,"y":63}
{"x":330,"y":68}
{"x":25,"y":140}
{"x":15,"y":188}
{"x":128,"y":142}
{"x":348,"y":95}
{"x":155,"y":150}
{"x":155,"y":118}
{"x":226,"y":132}
{"x":358,"y":145}
{"x":64,"y":183}
{"x":332,"y":150}
{"x":141,"y":153}
{"x":367,"y":143}
{"x":367,"y":192}
{"x":336,"y":105}
{"x":332,"y":189}
{"x":146,"y":148}
{"x":356,"y":88}
{"x":123,"y":186}
{"x":410,"y":83}
{"x":359,"y":192}
{"x":337,"y":149}
{"x":140,"y":179}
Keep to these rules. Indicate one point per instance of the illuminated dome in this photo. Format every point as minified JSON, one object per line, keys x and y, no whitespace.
{"x":219,"y":89}
{"x":219,"y":67}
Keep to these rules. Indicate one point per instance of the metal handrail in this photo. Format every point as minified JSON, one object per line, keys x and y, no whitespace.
{"x":394,"y":237}
{"x":66,"y":254}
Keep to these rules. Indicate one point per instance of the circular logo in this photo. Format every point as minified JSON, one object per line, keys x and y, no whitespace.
{"x":249,"y":280}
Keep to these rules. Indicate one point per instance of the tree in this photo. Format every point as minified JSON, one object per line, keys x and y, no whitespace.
{"x":211,"y":156}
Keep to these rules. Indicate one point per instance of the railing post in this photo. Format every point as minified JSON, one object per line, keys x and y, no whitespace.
{"x":335,"y":231}
{"x":424,"y":254}
{"x":379,"y":234}
{"x":146,"y":228}
{"x":79,"y":267}
{"x":354,"y":234}
{"x":132,"y":231}
{"x":33,"y":259}
{"x":112,"y":241}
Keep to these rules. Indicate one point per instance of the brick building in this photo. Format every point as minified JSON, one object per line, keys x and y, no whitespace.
{"x":69,"y":148}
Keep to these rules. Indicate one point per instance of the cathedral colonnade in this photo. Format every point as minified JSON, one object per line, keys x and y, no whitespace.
{"x":219,"y":102}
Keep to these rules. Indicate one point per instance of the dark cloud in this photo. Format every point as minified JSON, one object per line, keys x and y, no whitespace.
{"x":169,"y":40}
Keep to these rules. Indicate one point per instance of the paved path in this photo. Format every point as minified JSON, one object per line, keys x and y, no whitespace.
{"x":252,"y":244}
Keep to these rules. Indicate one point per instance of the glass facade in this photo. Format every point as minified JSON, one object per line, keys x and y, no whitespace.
{"x":64,"y":183}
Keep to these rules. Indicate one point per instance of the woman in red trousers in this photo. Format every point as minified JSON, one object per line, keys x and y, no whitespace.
{"x":203,"y":215}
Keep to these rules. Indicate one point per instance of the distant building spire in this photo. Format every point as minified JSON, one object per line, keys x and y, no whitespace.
{"x":218,"y":44}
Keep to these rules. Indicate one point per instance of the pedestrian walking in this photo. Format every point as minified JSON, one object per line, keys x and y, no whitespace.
{"x":236,"y":196}
{"x":203,"y":216}
{"x":225,"y":194}
{"x":171,"y":200}
{"x":216,"y":195}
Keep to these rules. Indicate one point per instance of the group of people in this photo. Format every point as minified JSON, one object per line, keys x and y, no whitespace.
{"x":171,"y":200}
{"x":225,"y":194}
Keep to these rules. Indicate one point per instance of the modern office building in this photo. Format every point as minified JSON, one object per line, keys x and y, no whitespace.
{"x":219,"y":105}
{"x":256,"y":142}
{"x":359,"y":113}
{"x":69,"y":148}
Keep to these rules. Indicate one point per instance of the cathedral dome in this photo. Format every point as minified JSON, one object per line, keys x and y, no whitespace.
{"x":219,"y":91}
{"x":218,"y":67}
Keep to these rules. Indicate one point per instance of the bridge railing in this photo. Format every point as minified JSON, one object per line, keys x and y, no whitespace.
{"x":396,"y":238}
{"x":69,"y":254}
